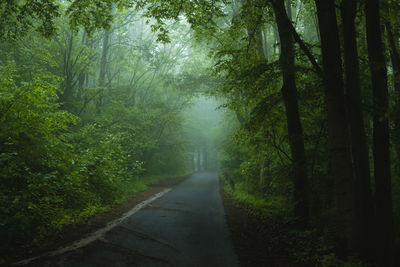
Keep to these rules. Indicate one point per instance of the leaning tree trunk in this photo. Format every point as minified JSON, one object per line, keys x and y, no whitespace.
{"x":357,"y":130}
{"x":338,"y":135}
{"x":289,"y":93}
{"x":381,"y":150}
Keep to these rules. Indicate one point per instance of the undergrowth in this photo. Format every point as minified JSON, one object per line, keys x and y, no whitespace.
{"x":67,"y":217}
{"x":306,"y":246}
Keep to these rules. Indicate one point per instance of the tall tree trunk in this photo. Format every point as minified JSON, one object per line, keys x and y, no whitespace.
{"x":82,"y":74}
{"x":338,"y":136}
{"x":205,"y":153}
{"x":395,"y":60}
{"x":359,"y":146}
{"x":289,"y":93}
{"x":193,"y":161}
{"x":381,"y":150}
{"x":67,"y":95}
{"x":199,"y":159}
{"x":264,"y":172}
{"x":103,"y":65}
{"x":265,"y":42}
{"x":259,"y":42}
{"x":103,"y":61}
{"x":276,"y":41}
{"x":289,"y":10}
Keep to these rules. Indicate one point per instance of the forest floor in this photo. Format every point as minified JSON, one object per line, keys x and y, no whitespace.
{"x":265,"y":240}
{"x":75,"y":232}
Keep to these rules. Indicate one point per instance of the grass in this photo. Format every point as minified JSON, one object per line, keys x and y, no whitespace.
{"x":126,"y":190}
{"x":69,"y":217}
{"x":271,"y":204}
{"x":129,"y":189}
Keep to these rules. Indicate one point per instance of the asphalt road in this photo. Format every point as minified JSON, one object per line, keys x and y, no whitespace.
{"x":184,"y":227}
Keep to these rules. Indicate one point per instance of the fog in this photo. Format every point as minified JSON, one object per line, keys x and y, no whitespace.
{"x":202,"y":126}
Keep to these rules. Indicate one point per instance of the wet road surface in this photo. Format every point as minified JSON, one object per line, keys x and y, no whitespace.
{"x":184,"y":227}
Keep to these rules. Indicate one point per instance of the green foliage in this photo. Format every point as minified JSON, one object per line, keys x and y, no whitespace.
{"x":69,"y":148}
{"x":34,"y":158}
{"x":17,"y":17}
{"x":277,"y":205}
{"x":330,"y":260}
{"x":256,"y":156}
{"x":20,"y":16}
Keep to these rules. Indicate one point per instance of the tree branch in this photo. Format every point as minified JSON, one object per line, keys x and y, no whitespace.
{"x":302,"y":45}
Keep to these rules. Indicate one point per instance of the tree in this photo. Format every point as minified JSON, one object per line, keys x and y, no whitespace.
{"x":381,"y":147}
{"x":289,"y":93}
{"x":359,"y":148}
{"x":339,"y":143}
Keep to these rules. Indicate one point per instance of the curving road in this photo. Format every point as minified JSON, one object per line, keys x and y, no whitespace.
{"x":184,"y":227}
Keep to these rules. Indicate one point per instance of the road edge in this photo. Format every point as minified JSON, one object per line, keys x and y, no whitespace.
{"x":75,"y":233}
{"x":95,"y":235}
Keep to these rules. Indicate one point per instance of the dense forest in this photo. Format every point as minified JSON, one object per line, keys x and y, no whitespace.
{"x":295,"y":103}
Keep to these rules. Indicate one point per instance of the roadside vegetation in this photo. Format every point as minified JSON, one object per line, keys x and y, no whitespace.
{"x":313,"y":144}
{"x":87,"y":121}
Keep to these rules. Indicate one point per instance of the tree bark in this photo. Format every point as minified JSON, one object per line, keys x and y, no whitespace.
{"x":199,"y":159}
{"x":289,"y":93}
{"x":289,"y":10}
{"x":259,"y":42}
{"x":338,"y":136}
{"x":395,"y":60}
{"x":302,"y":45}
{"x":193,"y":161}
{"x":265,"y":42}
{"x":205,"y":153}
{"x":103,"y":63}
{"x":67,"y":95}
{"x":276,"y":41}
{"x":359,"y":146}
{"x":381,"y":150}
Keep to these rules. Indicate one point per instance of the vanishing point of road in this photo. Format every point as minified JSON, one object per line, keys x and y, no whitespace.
{"x":184,"y":227}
